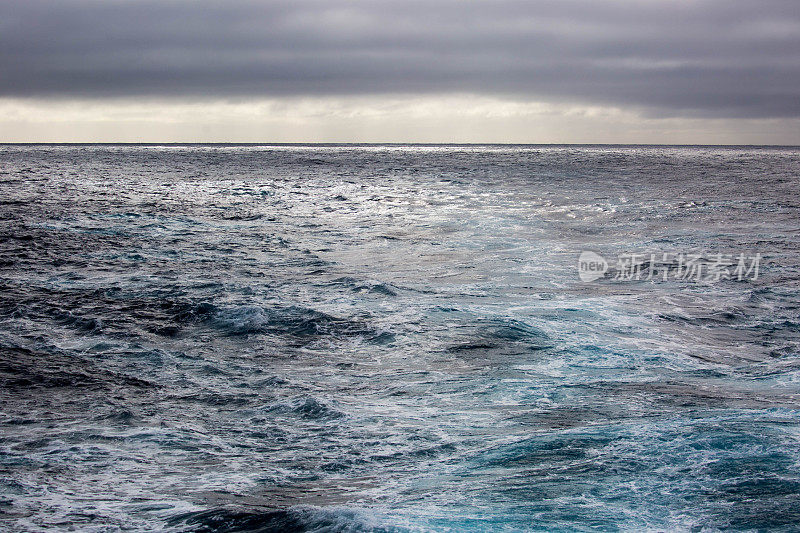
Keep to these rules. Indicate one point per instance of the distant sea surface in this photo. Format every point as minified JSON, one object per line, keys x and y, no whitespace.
{"x":396,"y":338}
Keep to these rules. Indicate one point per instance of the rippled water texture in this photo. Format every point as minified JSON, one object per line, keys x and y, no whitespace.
{"x":394,"y":338}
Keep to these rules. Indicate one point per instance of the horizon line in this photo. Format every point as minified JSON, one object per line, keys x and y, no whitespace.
{"x":380,"y":143}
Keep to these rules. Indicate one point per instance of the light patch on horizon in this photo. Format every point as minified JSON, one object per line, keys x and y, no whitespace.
{"x":456,"y":118}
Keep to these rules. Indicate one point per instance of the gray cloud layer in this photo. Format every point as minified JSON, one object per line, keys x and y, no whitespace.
{"x":725,"y":58}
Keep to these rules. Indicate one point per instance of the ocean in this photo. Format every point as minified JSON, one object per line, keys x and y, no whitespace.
{"x":399,"y":338}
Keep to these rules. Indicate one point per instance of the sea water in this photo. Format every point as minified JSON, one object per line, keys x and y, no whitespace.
{"x":398,"y":338}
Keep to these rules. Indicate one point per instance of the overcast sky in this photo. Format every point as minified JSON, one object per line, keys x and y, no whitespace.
{"x":694,"y":71}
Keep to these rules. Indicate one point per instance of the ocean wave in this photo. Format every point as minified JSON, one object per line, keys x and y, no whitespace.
{"x":293,"y":321}
{"x":307,"y":407}
{"x":500,"y":333}
{"x":299,"y":520}
{"x":24,"y":368}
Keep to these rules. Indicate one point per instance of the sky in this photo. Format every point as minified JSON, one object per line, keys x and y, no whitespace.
{"x":561,"y":71}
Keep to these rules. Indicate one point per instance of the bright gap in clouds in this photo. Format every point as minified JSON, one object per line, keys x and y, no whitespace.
{"x":453,"y":118}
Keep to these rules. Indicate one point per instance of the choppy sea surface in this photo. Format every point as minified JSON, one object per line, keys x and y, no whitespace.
{"x":395,"y":338}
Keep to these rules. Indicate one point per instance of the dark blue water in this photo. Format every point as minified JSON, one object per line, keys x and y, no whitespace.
{"x":395,"y":338}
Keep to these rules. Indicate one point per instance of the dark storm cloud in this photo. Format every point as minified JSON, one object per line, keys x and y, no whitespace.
{"x":675,"y":57}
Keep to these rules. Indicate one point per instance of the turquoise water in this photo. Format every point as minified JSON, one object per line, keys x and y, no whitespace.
{"x":395,"y":338}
